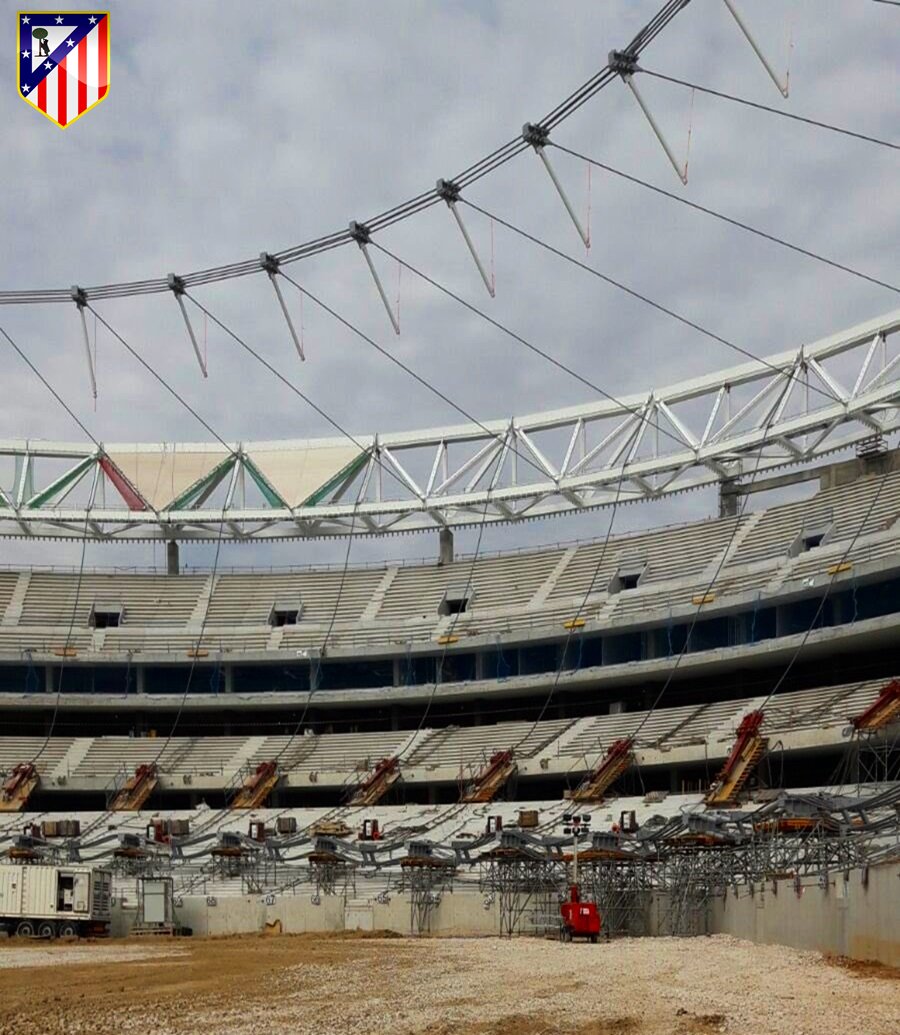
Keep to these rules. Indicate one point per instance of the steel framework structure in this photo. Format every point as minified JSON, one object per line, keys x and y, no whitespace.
{"x":787,"y":409}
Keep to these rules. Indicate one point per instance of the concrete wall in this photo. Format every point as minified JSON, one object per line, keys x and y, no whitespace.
{"x":457,"y":914}
{"x":858,"y":917}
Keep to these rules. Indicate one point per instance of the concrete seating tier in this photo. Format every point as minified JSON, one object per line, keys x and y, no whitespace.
{"x":472,"y":746}
{"x":387,"y":607}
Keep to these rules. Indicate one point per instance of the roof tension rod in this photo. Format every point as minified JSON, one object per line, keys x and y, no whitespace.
{"x":626,"y":65}
{"x":539,"y":137}
{"x":360,"y":233}
{"x":783,"y":88}
{"x":449,"y":191}
{"x":79,"y":297}
{"x":270,"y":264}
{"x":176,"y":286}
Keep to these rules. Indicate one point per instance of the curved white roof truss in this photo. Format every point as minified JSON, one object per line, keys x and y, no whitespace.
{"x":789,"y":408}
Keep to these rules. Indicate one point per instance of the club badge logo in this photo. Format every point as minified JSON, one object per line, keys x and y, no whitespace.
{"x":63,"y":62}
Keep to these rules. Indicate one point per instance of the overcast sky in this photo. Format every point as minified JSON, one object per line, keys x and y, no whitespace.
{"x":232,"y":128}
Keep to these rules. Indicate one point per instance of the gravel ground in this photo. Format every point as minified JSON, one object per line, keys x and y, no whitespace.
{"x":328,"y":985}
{"x":15,"y":956}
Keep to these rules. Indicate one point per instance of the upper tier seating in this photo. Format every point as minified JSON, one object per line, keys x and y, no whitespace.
{"x":387,"y":607}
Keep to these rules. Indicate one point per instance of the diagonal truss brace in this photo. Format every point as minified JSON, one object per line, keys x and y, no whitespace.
{"x":360,"y":233}
{"x":539,"y":137}
{"x":270,"y":264}
{"x":450,"y":193}
{"x":176,"y":286}
{"x":79,"y":297}
{"x":625,"y":64}
{"x":783,"y":88}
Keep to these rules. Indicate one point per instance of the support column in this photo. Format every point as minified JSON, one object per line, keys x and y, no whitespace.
{"x":172,"y":565}
{"x":445,"y":555}
{"x":729,"y":492}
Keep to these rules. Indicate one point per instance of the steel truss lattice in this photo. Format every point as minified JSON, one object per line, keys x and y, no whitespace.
{"x":790,"y":408}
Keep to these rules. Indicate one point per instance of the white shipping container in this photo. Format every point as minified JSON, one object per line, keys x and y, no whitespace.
{"x":76,"y":893}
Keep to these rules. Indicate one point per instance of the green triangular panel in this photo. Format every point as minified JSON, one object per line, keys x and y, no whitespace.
{"x":271,"y":496}
{"x":201,"y":489}
{"x":346,"y":472}
{"x":64,"y":481}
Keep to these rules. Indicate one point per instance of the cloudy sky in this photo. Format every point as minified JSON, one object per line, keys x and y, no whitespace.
{"x":232,"y":128}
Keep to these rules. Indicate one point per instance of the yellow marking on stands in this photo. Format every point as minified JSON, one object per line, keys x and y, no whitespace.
{"x":703,"y":598}
{"x":444,"y":640}
{"x":573,"y":623}
{"x":836,"y":569}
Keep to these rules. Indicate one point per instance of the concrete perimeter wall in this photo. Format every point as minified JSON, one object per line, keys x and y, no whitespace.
{"x":858,"y":917}
{"x":460,"y":914}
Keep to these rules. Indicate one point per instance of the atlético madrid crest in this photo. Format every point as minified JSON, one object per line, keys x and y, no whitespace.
{"x":63,"y":62}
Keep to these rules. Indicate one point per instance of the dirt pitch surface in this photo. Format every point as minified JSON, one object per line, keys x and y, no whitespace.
{"x":331,"y":985}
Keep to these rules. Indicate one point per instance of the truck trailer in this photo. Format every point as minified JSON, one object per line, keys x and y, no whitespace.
{"x":54,"y":901}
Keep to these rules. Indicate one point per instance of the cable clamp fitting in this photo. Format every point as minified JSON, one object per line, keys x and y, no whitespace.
{"x":447,"y":190}
{"x":537,"y":136}
{"x":622,"y":62}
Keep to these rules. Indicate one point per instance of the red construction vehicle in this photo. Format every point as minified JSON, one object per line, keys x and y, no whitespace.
{"x":579,"y":919}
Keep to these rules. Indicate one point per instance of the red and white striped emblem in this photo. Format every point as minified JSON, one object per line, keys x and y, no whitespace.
{"x":63,"y":62}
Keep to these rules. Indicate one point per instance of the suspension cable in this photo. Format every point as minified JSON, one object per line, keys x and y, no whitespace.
{"x":772,"y":111}
{"x":727,"y":219}
{"x":646,"y":299}
{"x":411,"y":207}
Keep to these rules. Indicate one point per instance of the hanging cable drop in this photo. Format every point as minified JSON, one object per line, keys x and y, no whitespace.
{"x":449,"y":191}
{"x":176,"y":286}
{"x":270,"y":264}
{"x":360,"y":233}
{"x":625,"y":64}
{"x":539,"y":137}
{"x":79,"y":297}
{"x":783,"y":88}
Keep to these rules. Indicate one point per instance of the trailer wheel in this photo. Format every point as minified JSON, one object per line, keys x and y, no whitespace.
{"x":46,"y":929}
{"x":594,"y":939}
{"x":67,"y":929}
{"x":25,"y":929}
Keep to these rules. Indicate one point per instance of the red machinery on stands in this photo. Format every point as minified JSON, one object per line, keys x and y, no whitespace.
{"x":17,"y":787}
{"x":882,"y":712}
{"x":376,"y":785}
{"x":257,"y":786}
{"x":749,"y":747}
{"x":500,"y":767}
{"x":134,"y":792}
{"x":614,"y":763}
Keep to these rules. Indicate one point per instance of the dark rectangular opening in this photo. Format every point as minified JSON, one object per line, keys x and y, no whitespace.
{"x":107,"y":619}
{"x":284,"y":616}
